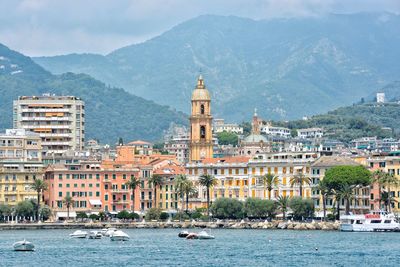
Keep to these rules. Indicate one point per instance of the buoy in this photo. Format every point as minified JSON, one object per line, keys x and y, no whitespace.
{"x":316,"y":248}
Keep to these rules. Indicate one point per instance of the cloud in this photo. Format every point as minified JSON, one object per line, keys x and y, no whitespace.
{"x":48,"y":27}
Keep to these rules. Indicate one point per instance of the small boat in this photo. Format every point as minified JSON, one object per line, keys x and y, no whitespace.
{"x":204,"y":235}
{"x":119,"y":236}
{"x":183,"y":234}
{"x":95,"y":235}
{"x":79,"y":234}
{"x":110,"y":231}
{"x":200,"y":235}
{"x":103,"y":231}
{"x":376,"y":221}
{"x":23,"y":246}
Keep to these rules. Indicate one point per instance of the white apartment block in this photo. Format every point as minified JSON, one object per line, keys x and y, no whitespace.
{"x":380,"y":97}
{"x":19,"y":145}
{"x":59,"y":121}
{"x":220,"y":126}
{"x":310,"y":133}
{"x":275,"y":131}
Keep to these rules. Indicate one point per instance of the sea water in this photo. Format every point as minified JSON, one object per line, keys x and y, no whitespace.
{"x":162,"y":247}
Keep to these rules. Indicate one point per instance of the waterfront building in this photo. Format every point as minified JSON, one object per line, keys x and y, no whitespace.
{"x":389,"y":164}
{"x":59,"y":120}
{"x":220,"y":126}
{"x":20,"y":165}
{"x":81,"y":180}
{"x":311,"y":133}
{"x":201,"y":139}
{"x":360,"y":204}
{"x":168,"y":198}
{"x":284,"y":165}
{"x":231,"y":174}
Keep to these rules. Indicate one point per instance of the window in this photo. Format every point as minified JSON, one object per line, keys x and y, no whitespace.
{"x":202,"y":109}
{"x":60,"y":176}
{"x":124,"y":176}
{"x":106,"y":197}
{"x":97,"y":194}
{"x":106,"y":176}
{"x":60,"y":185}
{"x":60,"y":194}
{"x":75,"y":185}
{"x":97,"y":176}
{"x":90,"y":176}
{"x":202,"y":131}
{"x":114,"y":176}
{"x":67,"y":185}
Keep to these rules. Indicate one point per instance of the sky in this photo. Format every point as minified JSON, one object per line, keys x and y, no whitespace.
{"x":55,"y":27}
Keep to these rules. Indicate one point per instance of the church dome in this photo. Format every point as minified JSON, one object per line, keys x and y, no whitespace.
{"x":201,"y":92}
{"x":255,"y":138}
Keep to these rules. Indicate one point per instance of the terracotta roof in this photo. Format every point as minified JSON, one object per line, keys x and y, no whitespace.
{"x":226,"y":160}
{"x":331,"y":161}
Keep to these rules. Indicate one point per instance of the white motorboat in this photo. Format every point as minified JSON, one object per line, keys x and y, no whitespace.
{"x":119,"y":236}
{"x":103,"y":231}
{"x":183,"y":233}
{"x":200,"y":235}
{"x":110,"y":231}
{"x":95,"y":235}
{"x":376,"y":221}
{"x":79,"y":234}
{"x":23,"y":246}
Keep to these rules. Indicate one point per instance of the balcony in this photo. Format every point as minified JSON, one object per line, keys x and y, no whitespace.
{"x":120,"y":190}
{"x":120,"y":201}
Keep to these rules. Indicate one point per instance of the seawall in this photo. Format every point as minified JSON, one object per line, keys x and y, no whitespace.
{"x":187,"y":224}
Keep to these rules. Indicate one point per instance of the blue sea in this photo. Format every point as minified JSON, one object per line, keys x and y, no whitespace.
{"x":162,"y":247}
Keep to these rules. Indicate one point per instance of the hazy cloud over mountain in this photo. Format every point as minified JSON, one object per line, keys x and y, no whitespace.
{"x":48,"y":27}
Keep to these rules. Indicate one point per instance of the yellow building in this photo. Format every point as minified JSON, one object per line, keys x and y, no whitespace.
{"x":284,"y":166}
{"x":201,"y":145}
{"x":231,"y":174}
{"x":20,"y":165}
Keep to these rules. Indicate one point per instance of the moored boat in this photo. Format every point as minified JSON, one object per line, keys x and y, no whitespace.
{"x":183,"y":234}
{"x":23,"y":246}
{"x":110,"y":231}
{"x":376,"y":221}
{"x":95,"y":235}
{"x":79,"y":234}
{"x":200,"y":235}
{"x":119,"y":236}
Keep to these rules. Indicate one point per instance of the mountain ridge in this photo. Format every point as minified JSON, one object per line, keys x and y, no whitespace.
{"x":110,"y":112}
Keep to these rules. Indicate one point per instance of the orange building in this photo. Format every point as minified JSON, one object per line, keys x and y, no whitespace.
{"x":81,"y":181}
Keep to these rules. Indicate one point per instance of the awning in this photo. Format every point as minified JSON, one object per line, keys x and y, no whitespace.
{"x":113,"y":212}
{"x":95,"y":202}
{"x":64,"y":214}
{"x":95,"y":212}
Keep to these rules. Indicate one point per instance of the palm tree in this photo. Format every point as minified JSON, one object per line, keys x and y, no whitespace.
{"x":389,"y":180}
{"x":189,"y":190}
{"x":132,"y":184}
{"x":180,"y":181}
{"x":269,"y":181}
{"x":208,"y":181}
{"x":155,"y":180}
{"x":39,"y":186}
{"x":325,"y":191}
{"x":378,"y":176}
{"x":68,"y":201}
{"x":300,"y":179}
{"x":283,"y":203}
{"x":346,"y":192}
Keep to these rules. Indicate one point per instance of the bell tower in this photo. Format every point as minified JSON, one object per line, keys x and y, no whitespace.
{"x":201,"y":145}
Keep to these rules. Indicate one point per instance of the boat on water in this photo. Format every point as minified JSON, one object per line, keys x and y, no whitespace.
{"x":119,"y":236}
{"x":110,"y":231}
{"x":95,"y":235}
{"x":200,"y":235}
{"x":376,"y":221}
{"x":183,"y":234}
{"x":79,"y":234}
{"x":23,"y":246}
